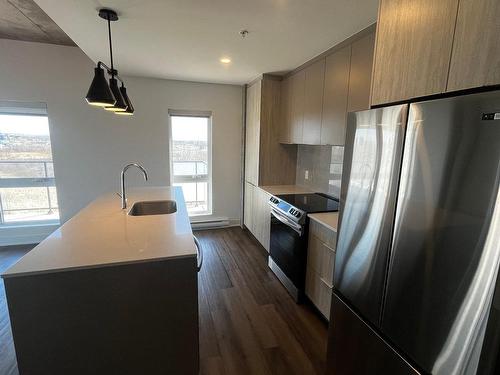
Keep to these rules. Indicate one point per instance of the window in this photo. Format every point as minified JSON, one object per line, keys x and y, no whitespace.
{"x":27,"y":185}
{"x":191,"y":157}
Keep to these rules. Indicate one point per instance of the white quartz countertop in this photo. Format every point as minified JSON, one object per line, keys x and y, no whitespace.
{"x":328,"y":219}
{"x":104,"y":234}
{"x":286,"y":189}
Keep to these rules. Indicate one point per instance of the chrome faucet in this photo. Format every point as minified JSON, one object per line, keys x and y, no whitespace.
{"x":122,"y":196}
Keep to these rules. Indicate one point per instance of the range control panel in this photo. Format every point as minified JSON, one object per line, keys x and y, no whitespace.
{"x":287,"y":209}
{"x":295,"y":212}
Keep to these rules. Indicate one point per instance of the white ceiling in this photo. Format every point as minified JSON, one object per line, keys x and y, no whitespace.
{"x":184,"y":39}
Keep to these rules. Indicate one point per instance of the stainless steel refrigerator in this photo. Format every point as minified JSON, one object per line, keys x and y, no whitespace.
{"x":416,"y":288}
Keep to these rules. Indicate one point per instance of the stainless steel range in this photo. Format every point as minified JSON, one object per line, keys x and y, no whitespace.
{"x":289,"y":230}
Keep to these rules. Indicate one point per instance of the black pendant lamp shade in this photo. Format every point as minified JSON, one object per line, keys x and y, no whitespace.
{"x":120,"y":105}
{"x":130,"y":107}
{"x":99,"y":93}
{"x":105,"y":95}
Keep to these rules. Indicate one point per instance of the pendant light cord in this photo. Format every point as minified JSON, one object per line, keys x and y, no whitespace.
{"x":110,"y":48}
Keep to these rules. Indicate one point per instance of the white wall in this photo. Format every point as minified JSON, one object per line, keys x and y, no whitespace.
{"x":90,"y":145}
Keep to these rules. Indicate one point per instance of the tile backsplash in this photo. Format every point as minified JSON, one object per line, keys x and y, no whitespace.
{"x":320,"y":168}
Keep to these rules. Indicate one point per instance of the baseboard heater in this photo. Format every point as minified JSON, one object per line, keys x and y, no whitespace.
{"x":211,"y":224}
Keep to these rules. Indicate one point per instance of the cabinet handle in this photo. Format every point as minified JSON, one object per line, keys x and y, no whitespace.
{"x":200,"y":253}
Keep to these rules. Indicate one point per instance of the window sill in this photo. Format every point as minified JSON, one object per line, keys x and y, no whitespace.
{"x":30,"y":224}
{"x":16,"y":234}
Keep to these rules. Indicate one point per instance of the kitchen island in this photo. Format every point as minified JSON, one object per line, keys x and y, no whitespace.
{"x":109,"y":292}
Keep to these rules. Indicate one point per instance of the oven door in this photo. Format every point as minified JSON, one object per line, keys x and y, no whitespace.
{"x":288,"y":253}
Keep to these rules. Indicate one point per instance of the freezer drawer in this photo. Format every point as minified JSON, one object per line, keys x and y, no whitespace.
{"x":355,"y":349}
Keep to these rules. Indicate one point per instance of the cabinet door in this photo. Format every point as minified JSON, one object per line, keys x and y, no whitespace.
{"x":413,"y":48}
{"x":252,"y":133}
{"x":285,"y":111}
{"x":248,"y":207}
{"x":257,"y":216}
{"x":313,"y":102}
{"x":297,"y":111}
{"x":360,"y":74}
{"x":334,"y":117}
{"x":475,"y":59}
{"x":321,"y":259}
{"x":262,"y":219}
{"x":318,"y":292}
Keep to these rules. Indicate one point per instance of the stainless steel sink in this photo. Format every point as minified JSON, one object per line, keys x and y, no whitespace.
{"x":153,"y":208}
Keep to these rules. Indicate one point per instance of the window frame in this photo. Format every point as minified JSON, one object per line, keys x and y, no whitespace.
{"x":193,"y":113}
{"x":28,"y":109}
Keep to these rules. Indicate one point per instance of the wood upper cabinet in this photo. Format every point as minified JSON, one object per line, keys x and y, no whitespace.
{"x":298,"y":81}
{"x":252,"y":132}
{"x":413,"y":48}
{"x":475,"y":60}
{"x":285,"y":109}
{"x":360,"y":74}
{"x":313,"y":102}
{"x":315,"y":99}
{"x":336,"y":87}
{"x":267,"y":162}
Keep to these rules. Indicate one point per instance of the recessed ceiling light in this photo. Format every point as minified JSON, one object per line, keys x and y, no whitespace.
{"x":225,"y":60}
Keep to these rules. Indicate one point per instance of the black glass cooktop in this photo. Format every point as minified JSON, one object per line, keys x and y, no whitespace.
{"x":311,"y":203}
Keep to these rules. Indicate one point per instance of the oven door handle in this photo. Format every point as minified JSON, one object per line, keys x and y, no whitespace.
{"x":296,"y":227}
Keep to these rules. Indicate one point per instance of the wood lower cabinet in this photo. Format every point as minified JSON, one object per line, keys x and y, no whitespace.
{"x":320,"y":266}
{"x":475,"y":60}
{"x":319,"y":292}
{"x":313,"y":102}
{"x":413,"y":49}
{"x":248,"y":213}
{"x":336,"y":89}
{"x":257,"y":216}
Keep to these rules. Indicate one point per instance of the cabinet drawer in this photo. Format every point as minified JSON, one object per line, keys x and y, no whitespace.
{"x":326,"y":235}
{"x":318,"y":292}
{"x":321,"y":259}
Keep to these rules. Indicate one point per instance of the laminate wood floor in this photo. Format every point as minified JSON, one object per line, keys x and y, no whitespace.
{"x":248,"y":322}
{"x":8,"y":365}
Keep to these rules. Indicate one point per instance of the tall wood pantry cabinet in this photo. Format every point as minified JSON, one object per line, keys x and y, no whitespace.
{"x":267,"y":162}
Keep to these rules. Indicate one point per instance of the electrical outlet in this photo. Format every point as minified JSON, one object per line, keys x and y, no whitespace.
{"x":306,"y":175}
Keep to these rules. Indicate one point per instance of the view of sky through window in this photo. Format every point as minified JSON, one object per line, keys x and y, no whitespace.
{"x":27,"y":185}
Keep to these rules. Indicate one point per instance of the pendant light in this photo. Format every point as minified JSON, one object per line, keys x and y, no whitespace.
{"x":120,"y":104}
{"x":109,"y":96}
{"x":99,"y":93}
{"x":130,"y":107}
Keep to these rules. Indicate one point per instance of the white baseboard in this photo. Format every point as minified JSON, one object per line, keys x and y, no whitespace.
{"x":23,"y":235}
{"x":213,"y":223}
